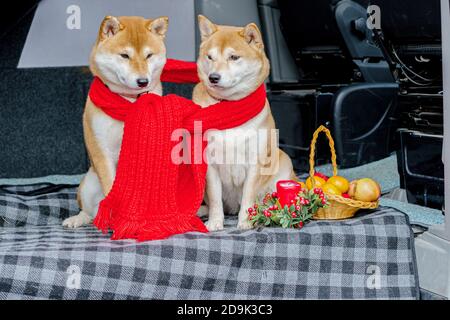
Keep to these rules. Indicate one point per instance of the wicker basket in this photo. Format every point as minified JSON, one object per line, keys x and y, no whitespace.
{"x":339,"y":207}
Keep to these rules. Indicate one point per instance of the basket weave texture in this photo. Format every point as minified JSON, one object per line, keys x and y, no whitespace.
{"x":339,"y":207}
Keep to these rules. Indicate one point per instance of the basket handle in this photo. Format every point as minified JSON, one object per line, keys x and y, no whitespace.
{"x":313,"y":151}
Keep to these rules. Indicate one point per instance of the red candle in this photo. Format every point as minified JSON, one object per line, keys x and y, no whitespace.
{"x":287,"y":190}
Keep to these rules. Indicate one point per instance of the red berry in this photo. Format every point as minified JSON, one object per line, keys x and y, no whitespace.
{"x":294,"y":215}
{"x":317,"y":191}
{"x":274,"y":195}
{"x":300,"y":224}
{"x":292,"y":201}
{"x":306,"y":201}
{"x":255,"y":206}
{"x":298,"y":208}
{"x":324,"y":202}
{"x":346,"y":195}
{"x":250,"y":210}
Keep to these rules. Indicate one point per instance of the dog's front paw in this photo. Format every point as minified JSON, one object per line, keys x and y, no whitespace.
{"x":77,"y":221}
{"x":244,"y":225}
{"x":214,"y":224}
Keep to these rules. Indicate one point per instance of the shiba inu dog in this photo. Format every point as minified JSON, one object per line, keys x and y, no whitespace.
{"x":231,"y":65}
{"x":128,"y":56}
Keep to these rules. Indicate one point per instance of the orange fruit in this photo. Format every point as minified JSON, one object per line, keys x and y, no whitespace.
{"x":339,"y":182}
{"x":318,"y":182}
{"x":302,"y":184}
{"x":331,"y":189}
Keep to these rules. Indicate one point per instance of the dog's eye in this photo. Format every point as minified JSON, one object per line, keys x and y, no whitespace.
{"x":209,"y":57}
{"x":234,"y":57}
{"x":125,"y":56}
{"x":149,"y":55}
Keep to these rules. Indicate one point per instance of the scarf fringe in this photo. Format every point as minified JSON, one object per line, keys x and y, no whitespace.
{"x":125,"y":228}
{"x":103,"y":218}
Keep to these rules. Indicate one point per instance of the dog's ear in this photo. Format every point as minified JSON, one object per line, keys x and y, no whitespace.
{"x":207,"y":28}
{"x":109,"y":27}
{"x":253,"y":36}
{"x":159,"y":26}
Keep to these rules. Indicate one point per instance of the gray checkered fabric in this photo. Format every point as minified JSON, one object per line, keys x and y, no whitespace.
{"x":39,"y":204}
{"x":368,"y":257}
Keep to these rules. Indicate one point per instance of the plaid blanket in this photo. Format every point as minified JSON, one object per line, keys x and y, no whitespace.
{"x":368,"y":257}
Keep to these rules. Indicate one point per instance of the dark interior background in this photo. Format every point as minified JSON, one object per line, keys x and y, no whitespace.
{"x":41,"y":108}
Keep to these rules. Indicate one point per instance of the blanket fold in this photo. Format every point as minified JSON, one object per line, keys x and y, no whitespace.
{"x":155,"y":196}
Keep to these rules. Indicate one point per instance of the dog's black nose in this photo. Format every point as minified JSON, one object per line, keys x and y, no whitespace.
{"x":142,"y":82}
{"x":214,"y":78}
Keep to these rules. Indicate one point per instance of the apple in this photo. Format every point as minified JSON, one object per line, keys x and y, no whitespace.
{"x":364,"y":189}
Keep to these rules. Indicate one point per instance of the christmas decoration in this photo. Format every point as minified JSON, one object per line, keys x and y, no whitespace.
{"x":290,"y":207}
{"x":321,"y":197}
{"x":287,"y":190}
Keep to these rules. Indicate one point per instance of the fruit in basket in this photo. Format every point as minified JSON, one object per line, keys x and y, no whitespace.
{"x":364,"y":189}
{"x":321,"y":175}
{"x":318,"y":182}
{"x":302,"y":184}
{"x":330,"y":188}
{"x":339,"y":182}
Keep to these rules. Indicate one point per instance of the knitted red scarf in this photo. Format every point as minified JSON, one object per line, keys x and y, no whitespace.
{"x":152,"y":197}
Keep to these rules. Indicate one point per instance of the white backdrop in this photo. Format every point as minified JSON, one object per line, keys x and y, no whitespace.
{"x":63,"y":31}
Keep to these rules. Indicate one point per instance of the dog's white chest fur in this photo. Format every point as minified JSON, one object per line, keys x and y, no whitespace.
{"x":109,"y":133}
{"x":233,"y":152}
